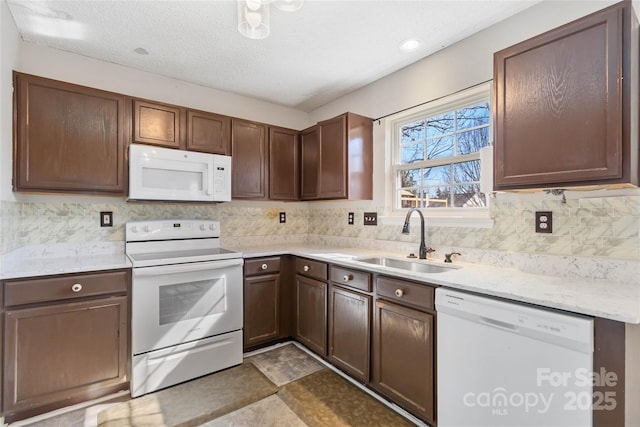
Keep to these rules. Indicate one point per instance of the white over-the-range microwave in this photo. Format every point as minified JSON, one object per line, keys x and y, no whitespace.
{"x":176,"y":175}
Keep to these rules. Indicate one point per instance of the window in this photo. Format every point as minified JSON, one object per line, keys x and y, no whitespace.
{"x":437,"y":153}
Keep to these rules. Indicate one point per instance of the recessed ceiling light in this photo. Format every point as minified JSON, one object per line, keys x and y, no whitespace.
{"x":409,"y":45}
{"x":141,"y":51}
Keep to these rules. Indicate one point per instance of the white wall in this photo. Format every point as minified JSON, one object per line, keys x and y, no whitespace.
{"x":464,"y":64}
{"x":9,"y":46}
{"x":82,"y":70}
{"x":461,"y":65}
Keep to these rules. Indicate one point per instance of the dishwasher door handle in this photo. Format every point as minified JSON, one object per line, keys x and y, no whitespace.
{"x":498,"y":324}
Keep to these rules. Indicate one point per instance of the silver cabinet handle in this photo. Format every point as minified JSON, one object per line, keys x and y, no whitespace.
{"x":264,"y":266}
{"x":306,"y":268}
{"x":77,"y":287}
{"x":399,"y":293}
{"x":347,"y":277}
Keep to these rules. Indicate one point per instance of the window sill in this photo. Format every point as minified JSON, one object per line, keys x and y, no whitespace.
{"x":479,"y":220}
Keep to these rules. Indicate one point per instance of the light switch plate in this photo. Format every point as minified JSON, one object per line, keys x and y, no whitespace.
{"x":106,"y":219}
{"x":544,"y":223}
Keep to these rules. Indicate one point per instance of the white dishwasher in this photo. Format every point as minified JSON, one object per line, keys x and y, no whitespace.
{"x":509,"y":364}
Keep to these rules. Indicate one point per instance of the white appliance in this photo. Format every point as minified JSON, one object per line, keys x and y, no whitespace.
{"x":510,"y":364}
{"x":176,"y":175}
{"x":186,"y":307}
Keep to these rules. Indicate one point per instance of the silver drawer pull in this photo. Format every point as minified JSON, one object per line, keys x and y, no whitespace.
{"x":399,"y":292}
{"x":77,"y":287}
{"x":347,"y":277}
{"x":264,"y":266}
{"x":306,"y":268}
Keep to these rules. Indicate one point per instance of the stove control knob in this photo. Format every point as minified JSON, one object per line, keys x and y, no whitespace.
{"x":134,"y":229}
{"x":147,"y":228}
{"x":212,"y":227}
{"x":202,"y":227}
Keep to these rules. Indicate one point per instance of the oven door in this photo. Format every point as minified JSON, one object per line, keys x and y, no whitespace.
{"x":176,"y":304}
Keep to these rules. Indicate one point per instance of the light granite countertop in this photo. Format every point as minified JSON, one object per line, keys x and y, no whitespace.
{"x":608,"y":299}
{"x":611,"y":299}
{"x":46,"y":260}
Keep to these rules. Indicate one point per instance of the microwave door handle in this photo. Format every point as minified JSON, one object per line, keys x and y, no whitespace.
{"x":212,"y":168}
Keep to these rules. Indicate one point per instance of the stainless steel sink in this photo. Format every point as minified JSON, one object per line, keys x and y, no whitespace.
{"x":415,"y":266}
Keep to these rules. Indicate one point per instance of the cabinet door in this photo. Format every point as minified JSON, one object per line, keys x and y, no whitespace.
{"x":249,"y":167}
{"x":261,"y":309}
{"x":158,"y":124}
{"x":283,"y":164}
{"x":68,"y":138}
{"x":333,"y":158}
{"x":403,"y":362}
{"x":208,"y":132}
{"x":558,"y":105}
{"x":309,"y":163}
{"x":63,"y":354}
{"x":350,"y":331}
{"x":311,"y":314}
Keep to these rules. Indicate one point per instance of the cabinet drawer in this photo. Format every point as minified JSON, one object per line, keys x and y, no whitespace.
{"x":261,"y":266}
{"x":310,"y":268}
{"x":352,"y":278}
{"x":28,"y":291}
{"x":415,"y":294}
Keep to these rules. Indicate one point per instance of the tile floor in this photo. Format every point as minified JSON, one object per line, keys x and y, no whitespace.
{"x":283,"y":386}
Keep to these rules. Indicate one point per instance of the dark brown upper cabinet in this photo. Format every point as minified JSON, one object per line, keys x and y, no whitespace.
{"x":309,"y":159}
{"x":158,"y":124}
{"x":208,"y":132}
{"x":284,"y":164}
{"x":342,"y":163}
{"x":172,"y":126}
{"x":563,"y":114}
{"x":250,"y":166}
{"x":67,"y":138}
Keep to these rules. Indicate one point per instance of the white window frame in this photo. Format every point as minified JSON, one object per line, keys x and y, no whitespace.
{"x":450,"y":216}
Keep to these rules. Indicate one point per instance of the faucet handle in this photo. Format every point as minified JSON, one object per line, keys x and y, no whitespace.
{"x":429,"y":250}
{"x":447,"y":257}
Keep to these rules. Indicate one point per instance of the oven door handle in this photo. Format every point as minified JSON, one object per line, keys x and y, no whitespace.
{"x":187,"y":268}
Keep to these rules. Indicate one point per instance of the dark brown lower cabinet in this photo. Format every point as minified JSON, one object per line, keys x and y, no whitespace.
{"x":350,"y":331}
{"x":262,"y":309}
{"x":403,"y":361}
{"x":311,"y":313}
{"x":60,"y":354}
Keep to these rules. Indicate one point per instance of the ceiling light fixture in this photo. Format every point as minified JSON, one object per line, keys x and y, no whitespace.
{"x":254,"y":16}
{"x":409,"y":45}
{"x":253,"y":19}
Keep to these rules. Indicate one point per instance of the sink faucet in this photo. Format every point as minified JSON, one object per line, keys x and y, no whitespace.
{"x":405,"y":230}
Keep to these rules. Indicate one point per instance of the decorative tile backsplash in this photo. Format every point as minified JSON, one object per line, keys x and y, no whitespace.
{"x":604,"y":227}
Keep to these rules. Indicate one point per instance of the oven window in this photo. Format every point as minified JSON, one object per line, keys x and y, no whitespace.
{"x":191,"y":300}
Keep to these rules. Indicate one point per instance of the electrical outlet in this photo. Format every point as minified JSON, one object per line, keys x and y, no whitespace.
{"x":544,"y":222}
{"x":351,"y":218}
{"x":371,"y":218}
{"x":106,"y":219}
{"x":283,"y":217}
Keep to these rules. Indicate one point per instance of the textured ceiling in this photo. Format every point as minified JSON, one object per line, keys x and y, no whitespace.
{"x":312,"y":56}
